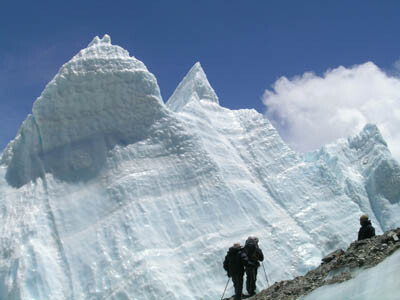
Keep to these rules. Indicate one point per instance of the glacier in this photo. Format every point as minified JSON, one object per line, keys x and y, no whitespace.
{"x":107,"y":192}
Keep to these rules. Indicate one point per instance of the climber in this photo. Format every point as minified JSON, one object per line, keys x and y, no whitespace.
{"x":234,"y":263}
{"x":255,"y":255}
{"x":367,"y":230}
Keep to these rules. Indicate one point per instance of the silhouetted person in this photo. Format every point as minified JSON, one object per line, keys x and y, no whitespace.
{"x":234,"y":263}
{"x":367,"y":230}
{"x":255,"y":255}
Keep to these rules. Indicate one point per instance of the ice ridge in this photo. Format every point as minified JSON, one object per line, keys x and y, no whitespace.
{"x":365,"y":160}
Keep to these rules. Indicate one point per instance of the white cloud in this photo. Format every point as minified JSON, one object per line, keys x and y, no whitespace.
{"x":310,"y":111}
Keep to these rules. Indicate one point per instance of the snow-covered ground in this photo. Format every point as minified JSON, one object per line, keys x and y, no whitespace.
{"x":380,"y":282}
{"x":108,"y":193}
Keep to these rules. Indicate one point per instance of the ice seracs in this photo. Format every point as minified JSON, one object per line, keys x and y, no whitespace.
{"x":364,"y":160}
{"x":107,"y":193}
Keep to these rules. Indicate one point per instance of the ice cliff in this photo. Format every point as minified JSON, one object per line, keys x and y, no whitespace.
{"x":108,"y":193}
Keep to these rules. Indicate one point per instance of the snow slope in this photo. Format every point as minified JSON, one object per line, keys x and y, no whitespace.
{"x":108,"y":193}
{"x":380,"y":282}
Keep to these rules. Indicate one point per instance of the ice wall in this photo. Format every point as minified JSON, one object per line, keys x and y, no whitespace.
{"x":107,"y":193}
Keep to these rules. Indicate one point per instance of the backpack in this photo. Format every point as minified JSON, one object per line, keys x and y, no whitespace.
{"x":251,"y":247}
{"x":234,"y":263}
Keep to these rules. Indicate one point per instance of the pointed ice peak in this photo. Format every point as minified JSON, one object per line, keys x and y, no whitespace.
{"x":105,"y":40}
{"x":196,"y":79}
{"x":194,"y":86}
{"x":196,"y":68}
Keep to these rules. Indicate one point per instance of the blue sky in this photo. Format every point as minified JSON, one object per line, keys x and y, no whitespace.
{"x":243,"y":46}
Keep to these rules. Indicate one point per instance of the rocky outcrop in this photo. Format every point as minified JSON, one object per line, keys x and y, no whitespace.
{"x":336,"y":267}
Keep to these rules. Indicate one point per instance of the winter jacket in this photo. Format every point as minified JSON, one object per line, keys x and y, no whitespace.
{"x":235,"y":261}
{"x":366,"y":231}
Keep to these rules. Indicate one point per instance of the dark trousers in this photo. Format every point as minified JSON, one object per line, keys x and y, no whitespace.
{"x":238,"y":285}
{"x":251,"y":278}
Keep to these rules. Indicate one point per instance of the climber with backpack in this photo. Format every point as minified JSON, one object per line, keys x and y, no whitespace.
{"x":255,"y":255}
{"x":234,"y":264}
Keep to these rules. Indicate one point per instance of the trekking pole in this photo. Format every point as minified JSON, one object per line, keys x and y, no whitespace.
{"x":265,"y":274}
{"x":225,"y":288}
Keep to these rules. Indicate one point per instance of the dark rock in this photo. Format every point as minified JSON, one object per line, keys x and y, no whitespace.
{"x":336,"y":267}
{"x":333,"y":255}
